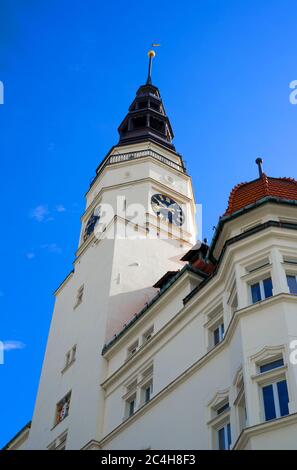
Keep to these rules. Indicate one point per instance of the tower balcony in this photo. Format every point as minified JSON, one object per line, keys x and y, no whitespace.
{"x":124,"y":157}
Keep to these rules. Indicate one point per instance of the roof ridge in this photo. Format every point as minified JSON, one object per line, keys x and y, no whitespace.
{"x":265,"y":182}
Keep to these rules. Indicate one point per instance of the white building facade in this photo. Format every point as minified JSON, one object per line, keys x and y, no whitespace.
{"x":160,"y":343}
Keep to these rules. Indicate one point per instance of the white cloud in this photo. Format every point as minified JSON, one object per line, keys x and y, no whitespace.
{"x":9,"y":345}
{"x":51,"y":247}
{"x":30,"y":255}
{"x":60,"y":208}
{"x":39,"y":213}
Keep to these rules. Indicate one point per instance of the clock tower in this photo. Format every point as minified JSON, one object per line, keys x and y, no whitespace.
{"x":137,"y":225}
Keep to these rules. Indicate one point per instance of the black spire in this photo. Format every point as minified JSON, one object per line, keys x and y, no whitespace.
{"x":147,"y":119}
{"x":259,"y":162}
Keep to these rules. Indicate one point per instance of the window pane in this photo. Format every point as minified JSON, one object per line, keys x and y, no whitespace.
{"x":147,"y":394}
{"x":222,"y":330}
{"x":292,"y":284}
{"x":221,"y":436}
{"x":267,"y":283}
{"x":256,"y":293}
{"x":223,"y":408}
{"x":283,"y":397}
{"x":229,"y":435}
{"x":271,"y":365}
{"x":216,"y":336}
{"x":131,"y":407}
{"x":269,"y":406}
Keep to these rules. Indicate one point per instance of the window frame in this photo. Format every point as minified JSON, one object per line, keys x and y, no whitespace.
{"x":221,"y":333}
{"x":60,"y":442}
{"x":79,"y":296}
{"x":270,"y":376}
{"x":132,"y":349}
{"x":215,"y":319}
{"x":262,"y":289}
{"x":291,"y":274}
{"x":134,"y":390}
{"x":219,"y":419}
{"x":59,"y":405}
{"x":148,"y":334}
{"x":70,"y":358}
{"x":226,"y":428}
{"x":276,"y":398}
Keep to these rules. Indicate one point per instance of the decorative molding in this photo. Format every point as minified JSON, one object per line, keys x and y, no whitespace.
{"x":258,"y":429}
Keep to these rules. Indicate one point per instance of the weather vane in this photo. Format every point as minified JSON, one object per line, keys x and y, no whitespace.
{"x":151,"y":54}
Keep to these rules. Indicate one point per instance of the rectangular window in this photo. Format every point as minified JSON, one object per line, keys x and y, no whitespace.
{"x":147,"y":391}
{"x":224,"y":437}
{"x":292,"y":284}
{"x":132,"y":349}
{"x":223,"y":408}
{"x":218,"y":334}
{"x":256,"y":293}
{"x":69,"y":358}
{"x":148,"y":334}
{"x":79,"y":296}
{"x":271,"y":365}
{"x":147,"y":394}
{"x":62,"y":409}
{"x":276,"y":400}
{"x":73,"y":353}
{"x":267,"y":284}
{"x":261,"y":290}
{"x":131,"y":407}
{"x":59,"y":443}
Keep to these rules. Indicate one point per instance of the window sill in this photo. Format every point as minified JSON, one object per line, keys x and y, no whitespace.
{"x":77,"y":305}
{"x":68,"y":366}
{"x":260,"y":301}
{"x":57,"y":424}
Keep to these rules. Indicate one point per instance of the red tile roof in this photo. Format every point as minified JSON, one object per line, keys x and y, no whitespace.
{"x":245,"y":194}
{"x":207,"y":268}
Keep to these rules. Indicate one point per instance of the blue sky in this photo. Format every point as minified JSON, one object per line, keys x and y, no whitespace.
{"x":70,"y":70}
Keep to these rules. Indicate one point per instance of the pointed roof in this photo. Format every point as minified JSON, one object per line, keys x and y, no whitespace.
{"x":146,"y":119}
{"x":245,"y":194}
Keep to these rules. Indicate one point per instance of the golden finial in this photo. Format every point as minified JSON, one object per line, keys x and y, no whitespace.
{"x":151,"y":55}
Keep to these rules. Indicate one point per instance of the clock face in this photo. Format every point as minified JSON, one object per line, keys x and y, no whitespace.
{"x":94,"y":218}
{"x":167,"y":209}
